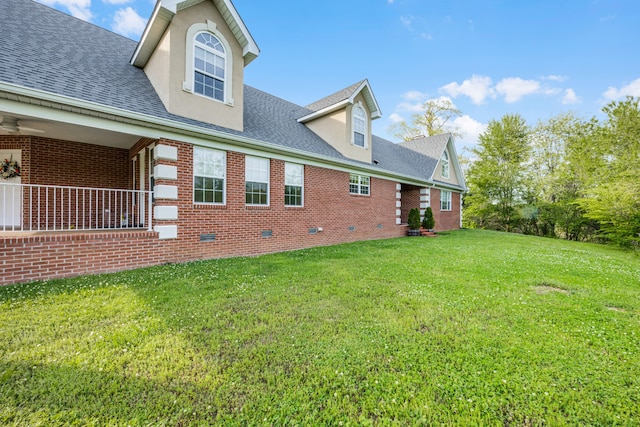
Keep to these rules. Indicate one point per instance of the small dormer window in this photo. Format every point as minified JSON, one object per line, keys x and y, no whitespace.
{"x":209,"y":66}
{"x":444,"y":161}
{"x":359,"y":123}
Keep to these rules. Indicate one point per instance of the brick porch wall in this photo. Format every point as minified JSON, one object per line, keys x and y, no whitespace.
{"x":445,"y":220}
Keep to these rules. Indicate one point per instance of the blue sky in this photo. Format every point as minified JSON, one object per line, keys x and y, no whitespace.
{"x":536,"y":58}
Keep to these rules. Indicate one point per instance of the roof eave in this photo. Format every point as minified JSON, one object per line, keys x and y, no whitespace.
{"x":370,"y":99}
{"x":156,"y":26}
{"x":324,"y":111}
{"x":156,"y":126}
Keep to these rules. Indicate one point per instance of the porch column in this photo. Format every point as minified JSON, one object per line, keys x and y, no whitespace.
{"x":425,"y":200}
{"x":398,"y":204}
{"x":165,"y":212}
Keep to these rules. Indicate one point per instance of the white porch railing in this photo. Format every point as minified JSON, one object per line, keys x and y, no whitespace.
{"x":28,"y":207}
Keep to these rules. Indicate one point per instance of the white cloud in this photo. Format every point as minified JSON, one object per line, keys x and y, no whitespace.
{"x":514,"y":88}
{"x":414,"y":95}
{"x":470,"y":128}
{"x":570,"y":97}
{"x":395,"y":118}
{"x":632,"y":89}
{"x":478,"y":88}
{"x":80,"y":9}
{"x":555,"y":78}
{"x":128,"y":23}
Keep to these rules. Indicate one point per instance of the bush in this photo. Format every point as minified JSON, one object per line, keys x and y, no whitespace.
{"x":414,"y":219}
{"x":428,"y":222}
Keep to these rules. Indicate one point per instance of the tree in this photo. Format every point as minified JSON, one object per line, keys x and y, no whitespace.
{"x":498,"y":183}
{"x":612,"y":197}
{"x":436,"y":118}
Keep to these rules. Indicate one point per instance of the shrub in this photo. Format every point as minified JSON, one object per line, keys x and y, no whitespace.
{"x":428,"y":222}
{"x":414,"y":219}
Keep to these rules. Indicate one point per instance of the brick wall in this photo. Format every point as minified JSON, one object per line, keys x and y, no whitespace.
{"x":445,"y":220}
{"x":410,"y":200}
{"x":238,"y":229}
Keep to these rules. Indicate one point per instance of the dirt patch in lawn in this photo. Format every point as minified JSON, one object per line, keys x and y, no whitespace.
{"x":545,"y":288}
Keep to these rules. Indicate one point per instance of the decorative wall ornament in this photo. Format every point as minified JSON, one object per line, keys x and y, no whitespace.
{"x":9,"y":168}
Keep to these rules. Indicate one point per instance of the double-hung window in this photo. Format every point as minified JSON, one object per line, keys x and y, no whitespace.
{"x":209,"y":174}
{"x":209,"y":66}
{"x":444,"y":161}
{"x":359,"y":123}
{"x":445,"y":200}
{"x":257,"y":180}
{"x":358,"y":184}
{"x":293,"y":184}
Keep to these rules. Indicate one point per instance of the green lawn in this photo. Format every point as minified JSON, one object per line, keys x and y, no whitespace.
{"x":471,"y":328}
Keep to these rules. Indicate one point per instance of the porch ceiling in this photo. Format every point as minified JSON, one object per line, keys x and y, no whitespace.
{"x":34,"y":126}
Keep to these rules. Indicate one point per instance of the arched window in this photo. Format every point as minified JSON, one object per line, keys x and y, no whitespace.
{"x":209,"y":63}
{"x":359,"y":124}
{"x":444,"y":161}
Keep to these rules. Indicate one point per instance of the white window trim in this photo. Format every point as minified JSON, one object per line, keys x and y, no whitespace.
{"x":301,"y":205}
{"x":187,"y":85}
{"x":357,"y":106}
{"x":360,"y":185}
{"x":445,"y":165}
{"x":442,"y":192}
{"x":268,"y":182}
{"x":224,"y":178}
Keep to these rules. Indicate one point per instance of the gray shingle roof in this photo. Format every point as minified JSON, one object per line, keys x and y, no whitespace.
{"x":334,"y":98}
{"x":66,"y":56}
{"x":432,"y":146}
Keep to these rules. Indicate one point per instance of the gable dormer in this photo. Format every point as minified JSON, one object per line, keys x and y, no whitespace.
{"x":343,"y":119}
{"x":194,"y":53}
{"x":443,"y":165}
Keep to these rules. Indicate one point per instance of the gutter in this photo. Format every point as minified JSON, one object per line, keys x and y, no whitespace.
{"x":147,"y":121}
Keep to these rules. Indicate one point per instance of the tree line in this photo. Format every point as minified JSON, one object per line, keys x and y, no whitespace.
{"x":565,"y":177}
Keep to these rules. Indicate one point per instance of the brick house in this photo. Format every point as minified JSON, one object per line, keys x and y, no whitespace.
{"x":140,"y":153}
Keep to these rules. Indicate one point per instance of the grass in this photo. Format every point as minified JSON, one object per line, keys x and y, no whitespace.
{"x":471,"y":328}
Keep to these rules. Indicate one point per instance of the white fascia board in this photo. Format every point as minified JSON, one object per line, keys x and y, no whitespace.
{"x":456,"y":163}
{"x":371,"y":103}
{"x":250,"y":50}
{"x":324,"y":111}
{"x":87,"y":113}
{"x":157,"y":24}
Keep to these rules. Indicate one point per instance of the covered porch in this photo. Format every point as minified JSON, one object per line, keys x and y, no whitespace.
{"x":62,"y":177}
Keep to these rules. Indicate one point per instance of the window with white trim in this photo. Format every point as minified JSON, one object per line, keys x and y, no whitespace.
{"x":445,"y":200}
{"x":444,"y":161}
{"x":257,"y":180}
{"x":359,"y":123}
{"x":359,"y":184}
{"x":209,"y":174}
{"x":209,"y":62}
{"x":293,"y":184}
